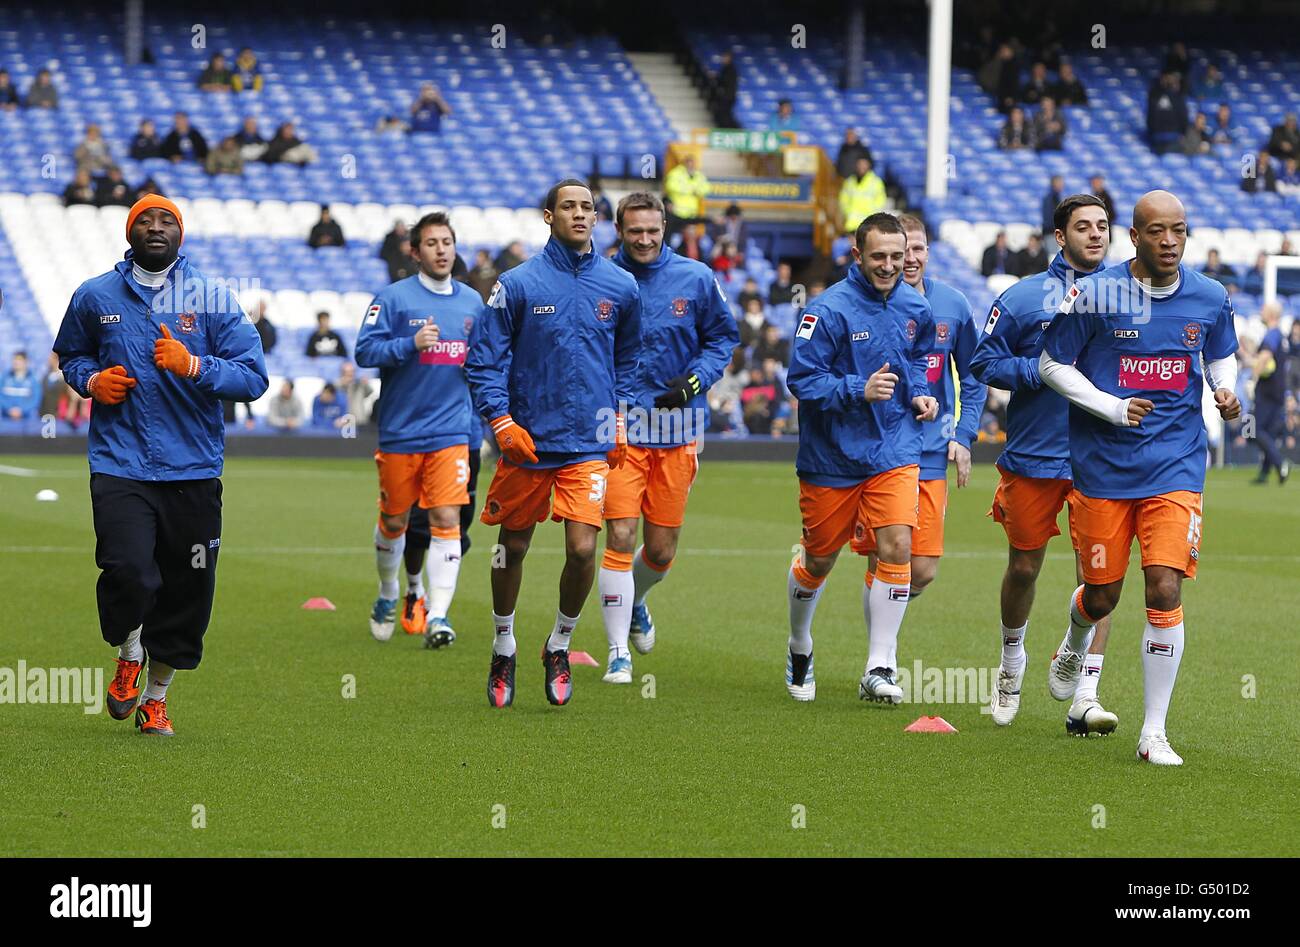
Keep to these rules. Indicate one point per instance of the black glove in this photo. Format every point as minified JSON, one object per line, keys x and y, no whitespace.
{"x":680,"y":390}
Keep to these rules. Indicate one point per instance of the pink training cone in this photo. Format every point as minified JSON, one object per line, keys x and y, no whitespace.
{"x":582,"y":657}
{"x":929,"y":725}
{"x":319,"y":604}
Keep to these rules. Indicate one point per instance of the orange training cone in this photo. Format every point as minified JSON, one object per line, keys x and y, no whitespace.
{"x":582,"y":657}
{"x":929,"y":725}
{"x":319,"y":604}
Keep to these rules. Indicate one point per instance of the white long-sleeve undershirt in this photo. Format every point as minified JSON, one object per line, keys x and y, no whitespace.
{"x":1074,"y":386}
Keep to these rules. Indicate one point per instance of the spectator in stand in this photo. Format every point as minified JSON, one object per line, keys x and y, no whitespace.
{"x":1222,"y":133}
{"x":483,"y":276}
{"x":1037,"y":88}
{"x":861,"y":195}
{"x":692,"y":243}
{"x":510,"y":256}
{"x":724,"y":396}
{"x":752,"y":323}
{"x":1097,"y":185}
{"x":1068,"y":90}
{"x":686,"y":187}
{"x":1055,"y":194}
{"x":723,"y":95}
{"x":355,"y":392}
{"x":1016,"y":132}
{"x":1253,"y":279}
{"x":758,"y":401}
{"x":1284,"y":142}
{"x":782,"y":289}
{"x":286,"y":146}
{"x":20,"y":391}
{"x":249,"y":137}
{"x":42,"y":94}
{"x":1293,"y":358}
{"x":9,"y":98}
{"x":851,"y":149}
{"x":1166,"y":113}
{"x":325,"y":341}
{"x":92,"y":154}
{"x":112,"y":190}
{"x":725,"y":259}
{"x":732,"y":227}
{"x":326,"y":232}
{"x":1000,"y":78}
{"x":1286,"y":248}
{"x":1288,"y":182}
{"x":247,"y":75}
{"x":284,"y":411}
{"x":428,"y":109}
{"x":998,"y":257}
{"x":226,"y":159}
{"x":1177,"y":60}
{"x":1198,"y":137}
{"x":1216,"y":270}
{"x":146,"y":143}
{"x":1032,"y":259}
{"x":604,"y":210}
{"x":147,"y":186}
{"x":784,"y":120}
{"x":262,"y":323}
{"x":326,"y":410}
{"x":184,"y":142}
{"x":80,"y":191}
{"x":1049,"y":127}
{"x":217,"y":77}
{"x":770,"y":346}
{"x":53,"y":387}
{"x":1207,"y":84}
{"x":747,"y":292}
{"x":395,"y":251}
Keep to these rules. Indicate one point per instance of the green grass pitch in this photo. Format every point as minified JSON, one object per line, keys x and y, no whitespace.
{"x":715,"y":763}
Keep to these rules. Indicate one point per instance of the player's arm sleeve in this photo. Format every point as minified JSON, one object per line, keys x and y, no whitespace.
{"x":1075,"y":387}
{"x":1222,"y":373}
{"x":919,"y":356}
{"x":993,"y":360}
{"x":627,"y":350}
{"x":973,"y":391}
{"x":491,"y":353}
{"x":719,"y":335}
{"x":237,"y":370}
{"x":1221,"y":342}
{"x":78,"y":351}
{"x":376,"y":345}
{"x":810,"y":377}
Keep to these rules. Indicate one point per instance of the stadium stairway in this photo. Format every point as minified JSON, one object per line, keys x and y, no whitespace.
{"x":681,"y":102}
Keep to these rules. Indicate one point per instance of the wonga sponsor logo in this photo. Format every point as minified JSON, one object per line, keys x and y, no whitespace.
{"x":445,"y":352}
{"x":1154,"y":372}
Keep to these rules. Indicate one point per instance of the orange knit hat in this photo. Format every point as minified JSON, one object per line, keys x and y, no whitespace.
{"x":148,"y":201}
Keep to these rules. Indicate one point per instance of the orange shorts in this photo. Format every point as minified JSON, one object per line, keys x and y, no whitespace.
{"x":1167,"y":527}
{"x":438,"y":478}
{"x":927,"y":538}
{"x":654,"y":482}
{"x":520,"y":497}
{"x":1027,"y":508}
{"x":832,"y":516}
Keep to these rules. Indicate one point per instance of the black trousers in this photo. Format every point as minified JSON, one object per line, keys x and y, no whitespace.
{"x":156,"y":545}
{"x":1270,"y":426}
{"x":417,"y":525}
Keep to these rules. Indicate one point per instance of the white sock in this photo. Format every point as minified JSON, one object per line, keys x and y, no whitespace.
{"x":503,"y":641}
{"x":562,"y":632}
{"x":616,"y":591}
{"x":1078,"y":637}
{"x":415,"y":584}
{"x":443,"y":566}
{"x":803,"y":605}
{"x":1162,"y":650}
{"x":131,"y":650}
{"x":644,"y":578}
{"x":160,"y":676}
{"x":886,"y":605}
{"x":388,"y":557}
{"x":1013,"y":647}
{"x":1090,"y":678}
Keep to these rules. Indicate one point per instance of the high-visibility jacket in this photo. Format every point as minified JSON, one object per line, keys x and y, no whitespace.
{"x":686,"y":191}
{"x":860,"y":198}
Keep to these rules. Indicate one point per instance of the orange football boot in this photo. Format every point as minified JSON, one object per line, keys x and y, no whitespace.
{"x":413,"y":617}
{"x":151,"y":717}
{"x":125,"y":688}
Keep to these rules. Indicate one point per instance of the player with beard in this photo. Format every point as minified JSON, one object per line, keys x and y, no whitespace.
{"x":158,"y":347}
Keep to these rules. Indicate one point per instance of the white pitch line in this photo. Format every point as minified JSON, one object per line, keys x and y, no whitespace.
{"x":18,"y":471}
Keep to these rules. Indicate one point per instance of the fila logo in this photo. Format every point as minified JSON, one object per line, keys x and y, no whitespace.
{"x":861,"y":336}
{"x":543,"y":310}
{"x":1091,"y":671}
{"x":110,"y":318}
{"x":1160,"y":648}
{"x":806,"y":326}
{"x":1126,"y":333}
{"x":372,"y":315}
{"x":899,"y":593}
{"x":994,"y":316}
{"x":611,"y":601}
{"x":803,"y":595}
{"x":1043,"y":326}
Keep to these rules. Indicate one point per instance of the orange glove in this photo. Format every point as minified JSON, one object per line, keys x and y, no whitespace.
{"x":516,"y":444}
{"x":174,"y":356}
{"x":619,"y":453}
{"x":110,"y":385}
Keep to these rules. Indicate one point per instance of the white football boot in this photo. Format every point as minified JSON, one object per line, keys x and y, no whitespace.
{"x":1155,"y":748}
{"x":1006,"y":696}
